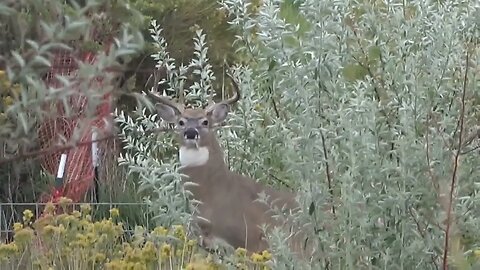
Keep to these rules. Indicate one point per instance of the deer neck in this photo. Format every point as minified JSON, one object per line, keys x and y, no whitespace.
{"x":208,"y":154}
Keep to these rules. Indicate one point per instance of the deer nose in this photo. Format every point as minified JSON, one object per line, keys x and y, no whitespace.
{"x":190,"y":134}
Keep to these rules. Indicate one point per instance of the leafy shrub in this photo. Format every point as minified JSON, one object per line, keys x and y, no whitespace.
{"x":368,"y":104}
{"x":369,"y":109}
{"x":35,"y":32}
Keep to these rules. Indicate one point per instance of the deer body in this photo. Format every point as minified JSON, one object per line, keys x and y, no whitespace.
{"x":229,"y":209}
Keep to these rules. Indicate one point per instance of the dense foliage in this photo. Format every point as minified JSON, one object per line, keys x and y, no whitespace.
{"x":375,"y":106}
{"x":34,"y":31}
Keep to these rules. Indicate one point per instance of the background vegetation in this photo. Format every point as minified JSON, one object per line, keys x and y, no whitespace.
{"x":369,"y":108}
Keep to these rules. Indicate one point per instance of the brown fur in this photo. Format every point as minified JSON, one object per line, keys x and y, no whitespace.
{"x":228,"y":210}
{"x":229,"y":203}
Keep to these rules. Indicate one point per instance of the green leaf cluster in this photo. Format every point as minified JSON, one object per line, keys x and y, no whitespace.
{"x":34,"y":32}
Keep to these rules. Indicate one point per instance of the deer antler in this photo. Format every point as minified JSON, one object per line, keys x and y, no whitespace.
{"x":181,"y":95}
{"x":161,"y":99}
{"x":165,"y":101}
{"x":210,"y":98}
{"x":236,"y":89}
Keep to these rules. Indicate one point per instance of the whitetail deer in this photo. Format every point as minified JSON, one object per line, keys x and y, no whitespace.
{"x":228,"y":210}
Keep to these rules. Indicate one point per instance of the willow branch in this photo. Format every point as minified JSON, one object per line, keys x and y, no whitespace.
{"x":455,"y":165}
{"x":69,"y":146}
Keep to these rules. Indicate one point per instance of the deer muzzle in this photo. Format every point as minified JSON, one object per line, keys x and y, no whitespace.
{"x":191,"y":134}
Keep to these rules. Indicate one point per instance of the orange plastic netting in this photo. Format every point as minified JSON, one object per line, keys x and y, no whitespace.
{"x":79,"y":170}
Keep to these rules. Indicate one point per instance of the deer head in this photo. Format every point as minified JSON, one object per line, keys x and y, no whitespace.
{"x":195,"y":127}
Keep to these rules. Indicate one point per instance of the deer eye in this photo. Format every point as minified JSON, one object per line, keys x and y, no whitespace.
{"x":181,"y":123}
{"x":205,"y":122}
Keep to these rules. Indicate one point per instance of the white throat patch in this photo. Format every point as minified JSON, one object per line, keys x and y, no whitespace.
{"x":191,"y":157}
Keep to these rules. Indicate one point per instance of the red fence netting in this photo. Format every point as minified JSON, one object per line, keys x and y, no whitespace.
{"x":79,"y":171}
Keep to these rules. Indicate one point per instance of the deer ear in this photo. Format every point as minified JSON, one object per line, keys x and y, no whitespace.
{"x":218,"y":112}
{"x":167,"y":113}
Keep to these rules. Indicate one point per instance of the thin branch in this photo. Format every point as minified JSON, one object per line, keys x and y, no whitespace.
{"x":470,"y":150}
{"x":283,"y":182}
{"x":275,"y":107}
{"x":327,"y":168}
{"x":469,"y":139}
{"x":65,"y":147}
{"x":430,"y":171}
{"x":422,"y":233}
{"x":455,"y":165}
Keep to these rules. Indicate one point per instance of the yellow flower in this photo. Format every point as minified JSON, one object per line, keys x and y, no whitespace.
{"x":60,"y":230}
{"x":7,"y":250}
{"x":88,"y":218}
{"x":133,"y":255}
{"x":139,"y":266}
{"x":91,"y":237}
{"x":119,"y":229}
{"x":64,"y":201}
{"x":241,"y":252}
{"x":4,"y":83}
{"x":85,"y":209}
{"x":66,"y":251}
{"x":114,"y":212}
{"x":115,"y":265}
{"x":198,"y":266}
{"x":24,"y":236}
{"x":17,"y":226}
{"x":256,"y":257}
{"x":49,"y":208}
{"x":76,"y":214}
{"x":27,"y":215}
{"x":49,"y":230}
{"x":81,"y":240}
{"x":149,"y":252}
{"x":179,"y":232}
{"x":241,"y":266}
{"x":191,"y":243}
{"x":99,"y":257}
{"x":179,"y":253}
{"x":8,"y":101}
{"x":160,"y":231}
{"x":166,"y":250}
{"x":266,"y":255}
{"x":65,"y":219}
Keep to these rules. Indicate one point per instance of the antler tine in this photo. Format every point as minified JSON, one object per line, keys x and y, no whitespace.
{"x":181,"y":95}
{"x":160,"y":99}
{"x":237,"y":94}
{"x":165,"y":101}
{"x":210,"y":99}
